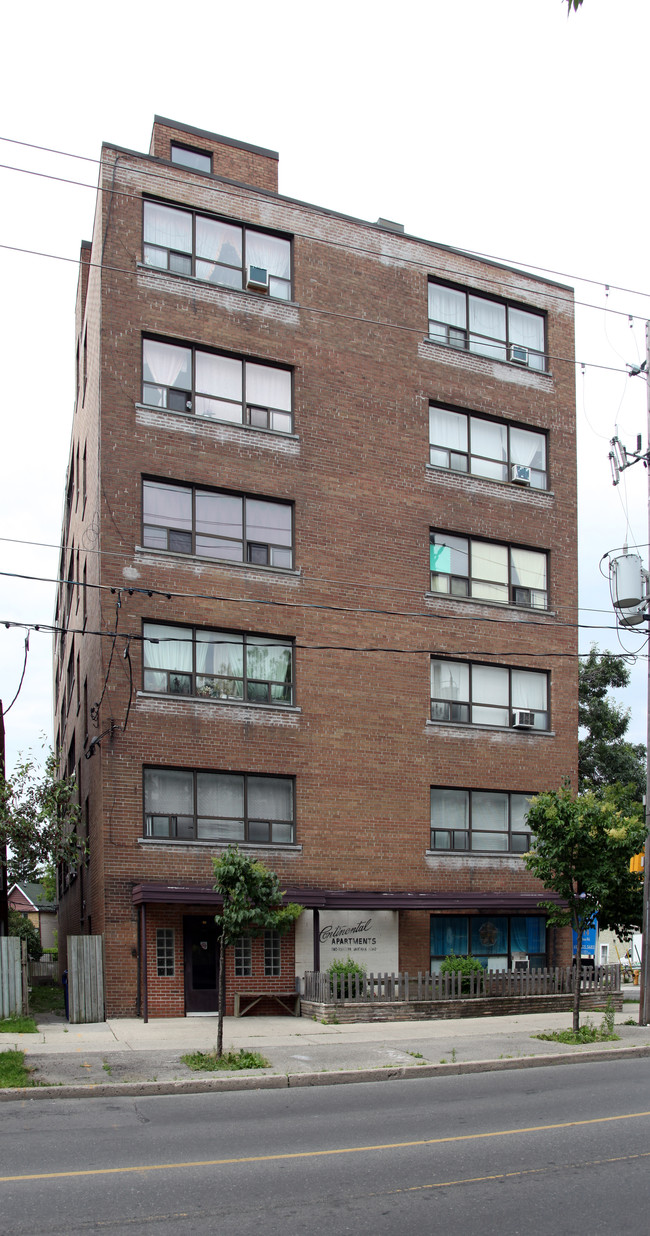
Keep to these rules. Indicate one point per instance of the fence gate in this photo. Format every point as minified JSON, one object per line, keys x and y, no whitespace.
{"x":13,"y":985}
{"x":86,"y":978}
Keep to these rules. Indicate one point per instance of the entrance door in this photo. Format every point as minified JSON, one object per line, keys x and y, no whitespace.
{"x":201,"y":957}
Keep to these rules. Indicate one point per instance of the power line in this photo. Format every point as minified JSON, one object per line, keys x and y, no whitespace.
{"x":169,"y":176}
{"x":22,"y":677}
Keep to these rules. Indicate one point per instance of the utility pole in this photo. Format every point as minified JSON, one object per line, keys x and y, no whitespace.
{"x":4,"y":882}
{"x":621,"y":459}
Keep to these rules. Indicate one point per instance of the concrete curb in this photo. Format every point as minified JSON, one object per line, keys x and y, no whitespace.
{"x":276,"y":1081}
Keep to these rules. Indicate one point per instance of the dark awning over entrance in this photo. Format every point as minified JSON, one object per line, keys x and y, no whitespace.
{"x":339,"y":899}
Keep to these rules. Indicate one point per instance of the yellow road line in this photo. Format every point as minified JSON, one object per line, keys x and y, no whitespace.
{"x":316,"y":1154}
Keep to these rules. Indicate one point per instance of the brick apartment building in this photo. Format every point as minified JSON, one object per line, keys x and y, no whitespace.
{"x":318,"y":580}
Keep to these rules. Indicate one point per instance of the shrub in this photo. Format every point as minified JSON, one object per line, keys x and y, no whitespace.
{"x":21,"y":926}
{"x":339,"y":972}
{"x":462,"y":965}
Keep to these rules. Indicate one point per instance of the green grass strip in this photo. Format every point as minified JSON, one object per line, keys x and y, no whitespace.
{"x":12,"y":1069}
{"x":210,"y":1062}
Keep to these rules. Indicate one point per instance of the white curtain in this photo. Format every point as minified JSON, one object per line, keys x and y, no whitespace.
{"x":219,"y":375}
{"x":172,"y":652}
{"x":448,"y":429}
{"x":220,"y":794}
{"x":168,"y":792}
{"x":270,"y":798}
{"x":528,"y":448}
{"x":489,"y":439}
{"x":268,"y":387}
{"x":273,"y":254}
{"x":167,"y":505}
{"x":450,"y":809}
{"x":529,"y":690}
{"x":487,"y":318}
{"x":490,"y":685}
{"x":268,"y":522}
{"x":526,"y":329}
{"x":220,"y":652}
{"x":218,"y":242}
{"x":167,"y":228}
{"x":164,"y":364}
{"x":449,"y":680}
{"x":528,"y":568}
{"x":446,"y":305}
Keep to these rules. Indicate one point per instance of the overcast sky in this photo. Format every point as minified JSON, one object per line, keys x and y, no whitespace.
{"x":498,"y":126}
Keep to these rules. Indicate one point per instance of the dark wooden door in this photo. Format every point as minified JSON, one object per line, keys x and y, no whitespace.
{"x":201,"y":957}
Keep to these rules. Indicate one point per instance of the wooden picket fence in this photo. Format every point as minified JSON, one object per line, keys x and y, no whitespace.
{"x":86,"y":978}
{"x":322,"y":988}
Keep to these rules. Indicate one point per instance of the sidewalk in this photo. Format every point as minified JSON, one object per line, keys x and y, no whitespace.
{"x":127,"y":1056}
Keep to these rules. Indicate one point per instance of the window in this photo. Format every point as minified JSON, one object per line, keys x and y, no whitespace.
{"x":185,"y":379}
{"x":479,"y":820}
{"x":272,"y":954}
{"x":493,"y":938}
{"x":213,"y":523}
{"x":165,"y":952}
{"x":488,"y":694}
{"x":211,"y":806}
{"x":466,"y":443}
{"x":505,"y":332}
{"x":243,"y":957}
{"x":464,"y":567}
{"x":216,"y":250}
{"x":70,"y":676}
{"x":185,"y":156}
{"x":217,"y":665}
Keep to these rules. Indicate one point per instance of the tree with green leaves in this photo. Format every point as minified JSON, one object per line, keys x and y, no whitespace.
{"x":581,"y":849}
{"x":21,"y":926}
{"x":605,"y":755}
{"x":252,"y":904}
{"x":39,"y":820}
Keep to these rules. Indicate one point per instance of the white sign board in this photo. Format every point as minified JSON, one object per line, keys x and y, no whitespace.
{"x":370,"y":937}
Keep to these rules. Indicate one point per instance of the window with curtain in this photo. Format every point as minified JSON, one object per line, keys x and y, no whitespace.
{"x":481,"y":820}
{"x":216,"y":386}
{"x":494,"y":938}
{"x":212,"y":523}
{"x":217,"y":665}
{"x":462,"y":442}
{"x":466,"y":567}
{"x":467,"y":692}
{"x":216,"y":250}
{"x":461,"y":319}
{"x":218,"y":806}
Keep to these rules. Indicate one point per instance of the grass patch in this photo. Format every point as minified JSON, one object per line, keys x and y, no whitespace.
{"x":17,"y":1025}
{"x":586,"y":1034}
{"x":46,"y":999}
{"x":12,"y":1069}
{"x":210,"y":1062}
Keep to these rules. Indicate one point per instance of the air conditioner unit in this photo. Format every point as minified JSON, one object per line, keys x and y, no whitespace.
{"x":518,"y":354}
{"x":523,"y":720}
{"x":522,"y":596}
{"x":520,"y":474}
{"x":257,"y":277}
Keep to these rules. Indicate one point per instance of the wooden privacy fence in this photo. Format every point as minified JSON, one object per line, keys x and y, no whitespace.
{"x":44,"y":971}
{"x":322,"y":988}
{"x":85,"y":978}
{"x":13,"y":976}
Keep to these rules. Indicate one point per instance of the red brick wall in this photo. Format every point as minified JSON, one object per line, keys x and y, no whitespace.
{"x":236,"y":162}
{"x":359,"y":747}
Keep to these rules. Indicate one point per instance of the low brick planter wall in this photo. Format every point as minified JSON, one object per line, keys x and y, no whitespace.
{"x":438,"y":1010}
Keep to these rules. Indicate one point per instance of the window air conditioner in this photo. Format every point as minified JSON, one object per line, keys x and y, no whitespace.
{"x":257,"y":277}
{"x":518,"y":354}
{"x":520,"y":474}
{"x":522,"y":596}
{"x":523,"y":720}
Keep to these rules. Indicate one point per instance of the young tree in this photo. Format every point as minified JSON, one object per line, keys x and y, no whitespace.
{"x":252,"y":904}
{"x":581,"y":848}
{"x":39,"y":819}
{"x":605,"y":755}
{"x":21,"y":927}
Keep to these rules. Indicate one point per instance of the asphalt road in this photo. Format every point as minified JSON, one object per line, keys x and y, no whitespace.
{"x":532,"y":1152}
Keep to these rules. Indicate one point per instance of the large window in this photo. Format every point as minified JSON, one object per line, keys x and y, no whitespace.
{"x":492,"y":449}
{"x":216,"y":250}
{"x":218,"y":806}
{"x":214,"y":523}
{"x":209,"y":384}
{"x":505,"y":332}
{"x":474,"y":694}
{"x":465,"y":567}
{"x":479,"y":820}
{"x":498,"y":940}
{"x":217,"y":665}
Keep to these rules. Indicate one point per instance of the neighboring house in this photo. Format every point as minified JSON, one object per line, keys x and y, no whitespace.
{"x":31,"y":901}
{"x":318,"y":580}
